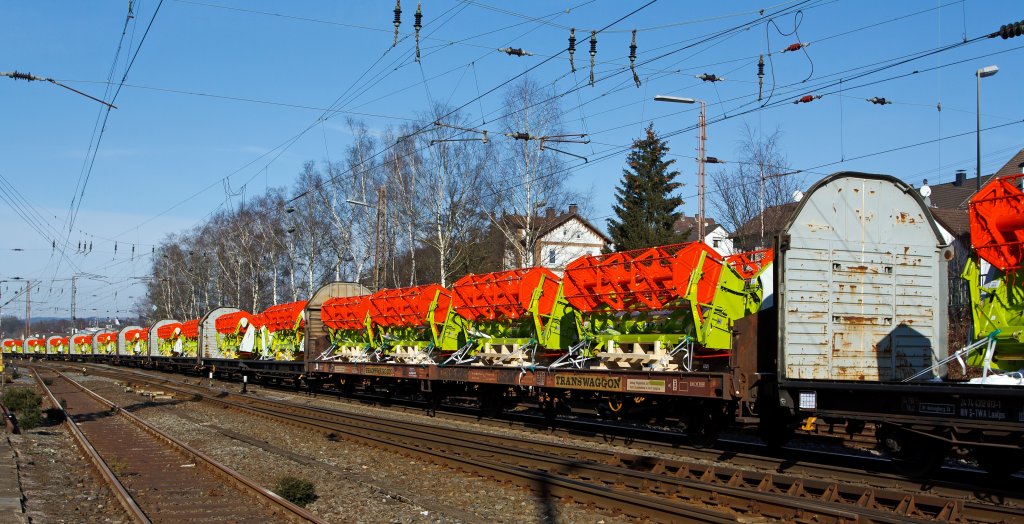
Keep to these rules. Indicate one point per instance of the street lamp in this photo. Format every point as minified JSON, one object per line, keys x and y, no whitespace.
{"x":701,"y":138}
{"x":979,"y":74}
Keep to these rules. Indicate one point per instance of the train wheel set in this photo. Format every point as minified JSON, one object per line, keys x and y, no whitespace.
{"x":843,"y":323}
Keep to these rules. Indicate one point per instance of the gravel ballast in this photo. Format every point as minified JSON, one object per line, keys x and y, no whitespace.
{"x":354,"y":483}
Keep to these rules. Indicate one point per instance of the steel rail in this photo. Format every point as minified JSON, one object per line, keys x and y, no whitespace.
{"x":120,"y":493}
{"x":271,"y":502}
{"x":973,"y":487}
{"x":709,"y":483}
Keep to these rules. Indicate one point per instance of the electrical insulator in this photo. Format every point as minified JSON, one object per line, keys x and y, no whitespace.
{"x":632,"y":59}
{"x":418,"y":25}
{"x":572,"y":47}
{"x":760,"y":77}
{"x":1011,"y":30}
{"x":593,"y":53}
{"x":796,"y":47}
{"x":514,"y":51}
{"x":879,"y":101}
{"x":707,"y":77}
{"x":806,"y":99}
{"x":398,"y":20}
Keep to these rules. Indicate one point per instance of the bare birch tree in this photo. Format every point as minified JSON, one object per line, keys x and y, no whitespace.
{"x":735,"y":193}
{"x":450,"y":180}
{"x":527,"y":177}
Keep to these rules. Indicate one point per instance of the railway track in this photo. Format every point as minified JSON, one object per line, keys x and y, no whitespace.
{"x":645,"y":487}
{"x":826,"y":463}
{"x":155,"y":477}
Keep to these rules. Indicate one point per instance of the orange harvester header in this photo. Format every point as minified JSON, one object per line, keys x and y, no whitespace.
{"x":345,"y":312}
{"x":137,"y":334}
{"x":167,"y":331}
{"x":409,"y":306}
{"x":504,"y":294}
{"x":643,"y":279}
{"x":226,"y":324}
{"x":283,"y":316}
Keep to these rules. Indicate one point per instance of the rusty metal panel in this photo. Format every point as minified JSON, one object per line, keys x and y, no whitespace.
{"x":208,"y":333}
{"x":316,"y":340}
{"x":862,"y":283}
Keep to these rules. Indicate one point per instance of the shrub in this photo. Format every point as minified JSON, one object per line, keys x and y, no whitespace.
{"x":295,"y":490}
{"x":25,"y":403}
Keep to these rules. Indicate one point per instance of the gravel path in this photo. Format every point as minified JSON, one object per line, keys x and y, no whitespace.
{"x":355,"y":483}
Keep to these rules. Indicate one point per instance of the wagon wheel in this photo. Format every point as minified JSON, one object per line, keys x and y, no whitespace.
{"x":999,"y":462}
{"x":704,"y":424}
{"x":774,"y":431}
{"x":913,"y":454}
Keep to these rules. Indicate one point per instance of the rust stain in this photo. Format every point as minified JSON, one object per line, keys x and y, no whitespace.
{"x":854,"y":319}
{"x":906,"y":249}
{"x":858,"y":269}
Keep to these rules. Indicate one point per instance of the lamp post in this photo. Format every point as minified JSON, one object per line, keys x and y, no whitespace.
{"x":979,"y":74}
{"x":701,"y":154}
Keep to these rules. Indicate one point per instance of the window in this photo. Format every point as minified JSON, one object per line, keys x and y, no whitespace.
{"x":551,"y":256}
{"x":714,"y":242}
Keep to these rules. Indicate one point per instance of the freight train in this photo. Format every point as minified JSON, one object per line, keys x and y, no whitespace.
{"x":842,"y":323}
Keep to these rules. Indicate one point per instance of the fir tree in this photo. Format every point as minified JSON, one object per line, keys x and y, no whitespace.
{"x":645,"y":206}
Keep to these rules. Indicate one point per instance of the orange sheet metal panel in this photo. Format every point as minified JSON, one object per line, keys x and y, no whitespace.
{"x":167,"y":330}
{"x":283,"y":316}
{"x":345,"y":312}
{"x":408,"y":306}
{"x":750,"y":263}
{"x":226,"y":324}
{"x":503,"y":294}
{"x":644,"y":279}
{"x":106,"y":336}
{"x":190,"y":329}
{"x":997,"y":222}
{"x":137,"y":334}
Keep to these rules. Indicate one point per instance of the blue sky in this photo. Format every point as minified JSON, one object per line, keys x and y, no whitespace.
{"x":171,"y":152}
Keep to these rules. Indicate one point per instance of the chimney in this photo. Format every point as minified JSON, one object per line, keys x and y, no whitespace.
{"x":961,"y":177}
{"x":549,"y":212}
{"x":572,"y":209}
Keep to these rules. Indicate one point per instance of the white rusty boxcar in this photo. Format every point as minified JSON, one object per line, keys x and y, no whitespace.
{"x":862,"y":283}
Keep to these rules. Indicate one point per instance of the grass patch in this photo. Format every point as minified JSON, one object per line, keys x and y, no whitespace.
{"x":295,"y":490}
{"x":25,"y":403}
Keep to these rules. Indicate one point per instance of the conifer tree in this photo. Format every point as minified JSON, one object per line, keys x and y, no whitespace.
{"x":645,"y":204}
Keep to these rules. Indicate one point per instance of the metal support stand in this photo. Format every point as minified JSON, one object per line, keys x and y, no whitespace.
{"x":461,"y":355}
{"x":574,"y":357}
{"x":989,"y":343}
